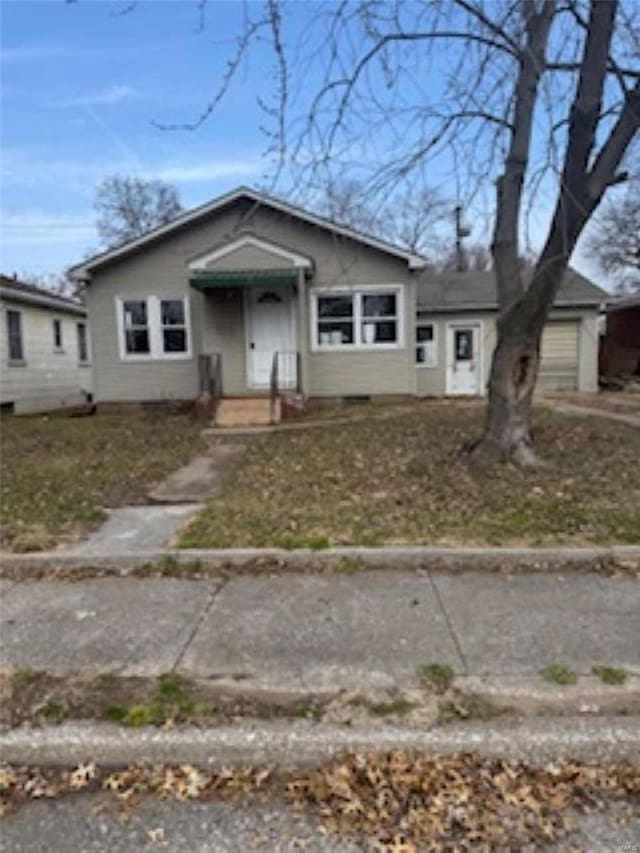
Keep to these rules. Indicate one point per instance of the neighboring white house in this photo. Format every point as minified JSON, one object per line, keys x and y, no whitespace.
{"x":44,"y":341}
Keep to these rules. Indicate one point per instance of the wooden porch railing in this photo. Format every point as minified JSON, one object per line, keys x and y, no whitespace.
{"x":210,"y":376}
{"x":285,"y":375}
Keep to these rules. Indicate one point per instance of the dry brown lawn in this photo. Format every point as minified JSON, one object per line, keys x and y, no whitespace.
{"x":399,"y":477}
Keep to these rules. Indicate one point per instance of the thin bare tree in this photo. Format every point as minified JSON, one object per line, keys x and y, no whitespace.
{"x":129,"y":206}
{"x":614,"y":241}
{"x":540,"y":97}
{"x":416,"y":219}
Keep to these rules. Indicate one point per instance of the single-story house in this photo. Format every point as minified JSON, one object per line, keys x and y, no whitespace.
{"x":620,"y":346}
{"x":44,"y":340}
{"x":253,"y":296}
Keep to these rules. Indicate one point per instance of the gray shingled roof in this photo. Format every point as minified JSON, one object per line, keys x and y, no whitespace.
{"x":19,"y":291}
{"x":453,"y":291}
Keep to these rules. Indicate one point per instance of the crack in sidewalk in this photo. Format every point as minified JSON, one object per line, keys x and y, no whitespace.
{"x":205,"y":612}
{"x":452,"y":630}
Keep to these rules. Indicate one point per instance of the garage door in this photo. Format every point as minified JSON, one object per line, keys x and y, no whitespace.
{"x":559,"y":357}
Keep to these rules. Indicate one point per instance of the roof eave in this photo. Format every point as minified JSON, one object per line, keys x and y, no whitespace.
{"x":42,"y":301}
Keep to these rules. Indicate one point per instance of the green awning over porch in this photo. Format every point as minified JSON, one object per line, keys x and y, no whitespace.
{"x":210,"y":279}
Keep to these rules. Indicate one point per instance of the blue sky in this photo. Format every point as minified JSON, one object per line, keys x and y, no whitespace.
{"x":81,"y":88}
{"x":82,"y":85}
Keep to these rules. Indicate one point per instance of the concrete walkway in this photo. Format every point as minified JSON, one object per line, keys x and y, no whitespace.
{"x":590,"y":411}
{"x":320,"y":633}
{"x":135,"y":529}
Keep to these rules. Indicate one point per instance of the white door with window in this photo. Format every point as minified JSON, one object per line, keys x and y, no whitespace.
{"x":464,"y":359}
{"x":270,"y":330}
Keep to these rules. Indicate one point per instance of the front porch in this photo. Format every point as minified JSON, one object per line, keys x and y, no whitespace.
{"x":252,"y":331}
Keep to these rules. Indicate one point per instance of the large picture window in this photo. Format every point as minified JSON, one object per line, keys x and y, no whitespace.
{"x":153,"y":328}
{"x":360,"y":318}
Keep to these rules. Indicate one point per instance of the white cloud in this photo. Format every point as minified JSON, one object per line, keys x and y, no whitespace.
{"x":32,"y":227}
{"x":21,"y":169}
{"x":209,"y":170}
{"x":105,"y":97}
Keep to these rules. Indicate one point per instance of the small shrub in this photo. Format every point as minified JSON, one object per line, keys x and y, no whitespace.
{"x":439,"y":676}
{"x":24,"y":677}
{"x":53,"y":711}
{"x":558,"y":673}
{"x":610,"y":674}
{"x":171,"y":687}
{"x":115,"y":713}
{"x":142,"y":715}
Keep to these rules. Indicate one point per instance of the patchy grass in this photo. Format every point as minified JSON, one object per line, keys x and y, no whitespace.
{"x":58,"y":473}
{"x":559,"y":673}
{"x":401,"y":479}
{"x":135,"y":701}
{"x":470,"y":708}
{"x":610,"y":674}
{"x":439,"y":676}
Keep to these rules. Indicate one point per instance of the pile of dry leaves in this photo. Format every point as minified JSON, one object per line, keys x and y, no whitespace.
{"x":403,"y":803}
{"x":394,"y":802}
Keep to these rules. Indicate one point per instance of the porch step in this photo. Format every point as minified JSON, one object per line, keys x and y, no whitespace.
{"x":246,"y":411}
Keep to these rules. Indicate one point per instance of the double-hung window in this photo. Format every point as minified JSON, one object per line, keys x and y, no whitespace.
{"x":357,"y":318}
{"x":426,"y":353}
{"x":174,"y":325}
{"x":14,"y":336}
{"x":136,"y":327}
{"x":153,"y":328}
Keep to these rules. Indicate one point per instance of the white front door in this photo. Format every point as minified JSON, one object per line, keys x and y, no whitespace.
{"x":270,"y":330}
{"x":463,"y":359}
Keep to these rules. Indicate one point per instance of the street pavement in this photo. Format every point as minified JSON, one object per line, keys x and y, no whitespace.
{"x":91,"y":824}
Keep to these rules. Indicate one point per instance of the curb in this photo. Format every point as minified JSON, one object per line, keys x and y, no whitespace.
{"x":406,"y":557}
{"x":294,"y":745}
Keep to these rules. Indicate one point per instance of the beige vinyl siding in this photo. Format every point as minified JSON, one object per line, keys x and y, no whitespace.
{"x":559,"y":356}
{"x":569,"y":351}
{"x":161,"y":269}
{"x":155,"y":379}
{"x":432,"y":381}
{"x":49,"y":378}
{"x":370,"y":371}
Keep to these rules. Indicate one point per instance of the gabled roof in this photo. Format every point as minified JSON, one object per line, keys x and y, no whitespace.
{"x":19,"y":291}
{"x":84,"y":270}
{"x":454,"y":291}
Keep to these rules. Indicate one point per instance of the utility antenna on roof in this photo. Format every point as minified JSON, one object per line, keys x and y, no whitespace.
{"x":462,"y":231}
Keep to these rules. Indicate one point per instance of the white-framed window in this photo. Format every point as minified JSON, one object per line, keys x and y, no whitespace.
{"x":173,"y":322}
{"x":14,"y":337}
{"x":83,"y":347}
{"x":426,"y":345}
{"x":153,"y":327}
{"x":359,"y":317}
{"x":57,"y":335}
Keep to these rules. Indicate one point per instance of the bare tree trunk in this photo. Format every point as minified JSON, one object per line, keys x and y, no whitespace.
{"x":514,"y":370}
{"x":507,"y":432}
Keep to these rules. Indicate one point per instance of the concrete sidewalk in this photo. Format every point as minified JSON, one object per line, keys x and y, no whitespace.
{"x":321,"y":633}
